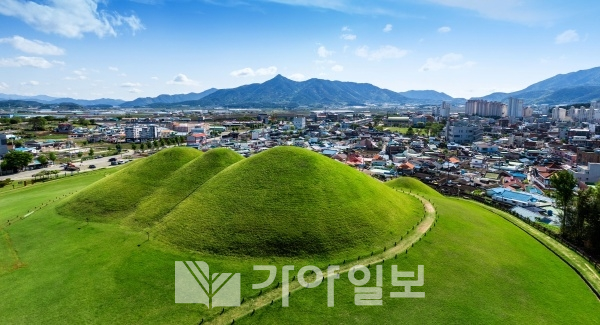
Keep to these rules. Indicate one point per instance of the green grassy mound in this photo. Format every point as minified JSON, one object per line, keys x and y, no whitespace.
{"x":289,"y":201}
{"x":413,"y":185}
{"x":116,"y":196}
{"x":181,"y":184}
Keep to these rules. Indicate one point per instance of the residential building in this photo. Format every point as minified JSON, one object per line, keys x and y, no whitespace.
{"x":445,"y":109}
{"x":3,"y":144}
{"x":463,"y":132}
{"x":299,"y":122}
{"x":515,"y":108}
{"x":587,"y":174}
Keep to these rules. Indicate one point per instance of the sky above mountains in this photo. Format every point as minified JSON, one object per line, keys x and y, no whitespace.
{"x":90,"y":49}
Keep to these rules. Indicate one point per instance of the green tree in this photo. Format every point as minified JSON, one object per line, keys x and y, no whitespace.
{"x":38,"y":123}
{"x":16,"y":160}
{"x":52,"y":156}
{"x":133,"y":147}
{"x":564,"y":182}
{"x":82,"y":121}
{"x":410,"y":132}
{"x":15,"y":120}
{"x":142,"y":146}
{"x":42,"y":159}
{"x":91,"y":152}
{"x":149,"y":145}
{"x":118,"y":147}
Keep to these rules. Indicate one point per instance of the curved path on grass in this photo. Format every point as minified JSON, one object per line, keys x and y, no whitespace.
{"x":274,"y":295}
{"x":579,"y":264}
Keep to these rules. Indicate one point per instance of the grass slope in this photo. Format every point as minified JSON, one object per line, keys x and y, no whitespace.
{"x":114,"y":197}
{"x":479,"y":269}
{"x":413,"y":185}
{"x":181,"y":184}
{"x":289,"y":201}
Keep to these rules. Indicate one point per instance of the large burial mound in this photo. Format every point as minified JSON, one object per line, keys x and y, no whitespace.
{"x":289,"y":201}
{"x":117,"y":195}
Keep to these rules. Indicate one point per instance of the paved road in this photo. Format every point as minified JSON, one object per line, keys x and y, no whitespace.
{"x":84,"y":167}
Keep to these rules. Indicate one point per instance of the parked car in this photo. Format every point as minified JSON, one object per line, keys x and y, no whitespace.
{"x":92,"y":166}
{"x":112,"y":159}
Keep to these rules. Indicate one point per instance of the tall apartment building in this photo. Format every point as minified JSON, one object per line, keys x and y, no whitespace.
{"x":515,"y":108}
{"x":463,"y":132}
{"x":484,"y":108}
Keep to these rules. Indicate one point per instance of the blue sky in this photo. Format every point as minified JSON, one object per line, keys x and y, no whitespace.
{"x":127,"y":49}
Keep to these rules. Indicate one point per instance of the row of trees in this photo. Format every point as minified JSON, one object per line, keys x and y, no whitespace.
{"x":162,"y":142}
{"x":580,"y":218}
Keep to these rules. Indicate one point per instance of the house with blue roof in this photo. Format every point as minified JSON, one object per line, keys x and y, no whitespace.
{"x":518,"y":198}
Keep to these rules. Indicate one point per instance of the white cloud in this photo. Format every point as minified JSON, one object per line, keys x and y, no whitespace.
{"x":154,"y":78}
{"x":182,"y":79}
{"x":135,"y":91}
{"x":346,"y":29}
{"x":25,"y":61}
{"x":56,"y":62}
{"x":567,"y":36}
{"x":69,"y":18}
{"x":337,"y":68}
{"x":348,"y":37}
{"x":323,"y":52}
{"x":249,"y":72}
{"x":384,"y":52}
{"x":444,"y":29}
{"x":32,"y":47}
{"x":297,"y":77}
{"x":387,"y":28}
{"x":3,"y":85}
{"x":447,"y":61}
{"x":245,"y":72}
{"x":30,"y":83}
{"x":266,"y":71}
{"x":131,"y":84}
{"x":113,"y":69}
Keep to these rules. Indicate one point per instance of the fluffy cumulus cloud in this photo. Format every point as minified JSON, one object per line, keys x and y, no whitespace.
{"x":135,"y":91}
{"x":567,"y":36}
{"x":348,"y":37}
{"x":447,"y":61}
{"x":26,"y":61}
{"x":115,"y":69}
{"x":323,"y":52}
{"x":384,"y":52}
{"x":444,"y":29}
{"x":182,"y":79}
{"x":387,"y":28}
{"x":337,"y":68}
{"x":249,"y":72}
{"x":32,"y":46}
{"x":69,"y":18}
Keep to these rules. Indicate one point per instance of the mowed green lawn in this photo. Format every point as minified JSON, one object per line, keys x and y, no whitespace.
{"x":22,"y":200}
{"x":479,"y":269}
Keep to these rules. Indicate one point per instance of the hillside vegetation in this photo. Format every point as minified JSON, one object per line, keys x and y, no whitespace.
{"x":116,"y":196}
{"x":289,"y":201}
{"x":181,"y":184}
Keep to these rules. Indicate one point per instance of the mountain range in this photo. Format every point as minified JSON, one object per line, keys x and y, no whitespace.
{"x":280,"y":92}
{"x":576,"y":87}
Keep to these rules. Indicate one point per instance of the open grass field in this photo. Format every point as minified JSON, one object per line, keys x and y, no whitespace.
{"x":479,"y":268}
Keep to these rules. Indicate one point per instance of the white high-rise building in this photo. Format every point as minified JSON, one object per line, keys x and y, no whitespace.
{"x":445,"y":109}
{"x":515,"y":108}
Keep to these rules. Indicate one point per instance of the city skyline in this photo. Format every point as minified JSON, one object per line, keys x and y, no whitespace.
{"x":92,"y":49}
